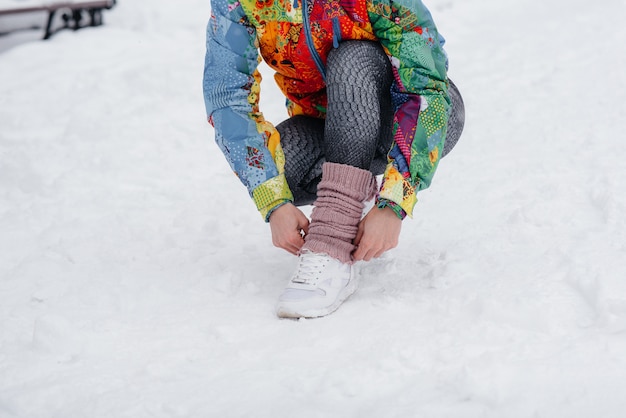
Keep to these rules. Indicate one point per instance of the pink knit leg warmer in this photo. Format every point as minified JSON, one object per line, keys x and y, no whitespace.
{"x":337,"y":211}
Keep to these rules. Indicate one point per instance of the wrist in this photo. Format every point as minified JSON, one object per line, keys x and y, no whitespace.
{"x":384,"y":203}
{"x":276,"y":207}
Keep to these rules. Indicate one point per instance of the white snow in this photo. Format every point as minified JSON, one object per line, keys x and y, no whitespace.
{"x":138,"y":280}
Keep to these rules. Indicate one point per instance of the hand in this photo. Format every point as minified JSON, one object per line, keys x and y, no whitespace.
{"x":378,"y":232}
{"x":289,"y":226}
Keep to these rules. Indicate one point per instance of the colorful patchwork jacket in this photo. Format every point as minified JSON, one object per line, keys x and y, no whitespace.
{"x":296,"y":43}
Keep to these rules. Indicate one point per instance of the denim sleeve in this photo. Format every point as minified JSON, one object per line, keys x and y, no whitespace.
{"x":231,"y":86}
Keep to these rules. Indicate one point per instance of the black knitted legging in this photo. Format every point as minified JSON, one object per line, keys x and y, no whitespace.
{"x":357,"y":129}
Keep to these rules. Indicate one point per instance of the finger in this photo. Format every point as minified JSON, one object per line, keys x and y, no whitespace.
{"x":290,"y":249}
{"x":357,"y":255}
{"x":305,"y":226}
{"x":284,"y":246}
{"x":388,"y":246}
{"x":362,"y":253}
{"x":296,"y":241}
{"x":373,"y":252}
{"x":291,"y":244}
{"x":369,"y":255}
{"x":302,"y":224}
{"x":359,"y":234}
{"x":298,"y":244}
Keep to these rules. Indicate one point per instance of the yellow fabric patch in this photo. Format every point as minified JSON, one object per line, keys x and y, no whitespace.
{"x":398,"y":190}
{"x":434,"y":156}
{"x":271,"y":193}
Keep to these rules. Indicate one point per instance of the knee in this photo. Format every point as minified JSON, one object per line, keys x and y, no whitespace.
{"x":358,"y":59}
{"x":456,"y":120}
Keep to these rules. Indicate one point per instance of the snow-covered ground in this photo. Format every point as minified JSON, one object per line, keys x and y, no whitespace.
{"x":138,"y":280}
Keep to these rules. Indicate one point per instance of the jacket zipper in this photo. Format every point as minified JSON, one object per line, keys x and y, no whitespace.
{"x":309,"y":41}
{"x":336,"y":32}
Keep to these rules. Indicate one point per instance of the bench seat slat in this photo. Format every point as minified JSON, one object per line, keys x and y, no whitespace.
{"x":14,"y":7}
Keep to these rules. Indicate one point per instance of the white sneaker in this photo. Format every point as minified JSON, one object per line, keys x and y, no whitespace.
{"x":319,"y":285}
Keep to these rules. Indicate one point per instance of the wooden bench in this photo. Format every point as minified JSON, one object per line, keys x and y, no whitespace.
{"x":72,"y":11}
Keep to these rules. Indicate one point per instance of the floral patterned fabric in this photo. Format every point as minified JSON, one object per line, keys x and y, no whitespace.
{"x":294,"y":38}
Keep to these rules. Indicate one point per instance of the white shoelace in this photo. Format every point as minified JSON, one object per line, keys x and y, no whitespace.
{"x":310,"y":267}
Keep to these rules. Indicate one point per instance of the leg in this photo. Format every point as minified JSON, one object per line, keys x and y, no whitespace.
{"x":302,"y":140}
{"x":357,"y":130}
{"x":347,"y":150}
{"x":359,"y":117}
{"x":358,"y":82}
{"x":456,"y":121}
{"x":349,"y":144}
{"x":360,"y":114}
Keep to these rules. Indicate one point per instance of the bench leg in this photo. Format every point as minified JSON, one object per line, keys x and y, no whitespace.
{"x":48,"y":32}
{"x":74,"y":19}
{"x":96,"y":17}
{"x":77,"y":16}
